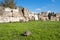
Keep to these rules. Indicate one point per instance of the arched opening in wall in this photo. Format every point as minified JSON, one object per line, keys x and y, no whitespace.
{"x":12,"y":12}
{"x":32,"y":18}
{"x":46,"y":19}
{"x":40,"y":19}
{"x":29,"y":18}
{"x":55,"y":19}
{"x":59,"y":18}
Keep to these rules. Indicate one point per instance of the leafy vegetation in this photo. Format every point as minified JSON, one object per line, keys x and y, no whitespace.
{"x":8,"y":3}
{"x":41,"y":30}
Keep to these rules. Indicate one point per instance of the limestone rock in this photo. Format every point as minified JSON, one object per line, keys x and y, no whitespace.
{"x":27,"y":33}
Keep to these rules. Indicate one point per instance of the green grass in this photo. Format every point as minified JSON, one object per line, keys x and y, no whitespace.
{"x":41,"y":30}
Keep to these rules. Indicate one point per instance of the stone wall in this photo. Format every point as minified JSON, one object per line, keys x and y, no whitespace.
{"x":31,"y":16}
{"x":18,"y":15}
{"x":26,"y":13}
{"x":43,"y":16}
{"x":13,"y":15}
{"x":54,"y":17}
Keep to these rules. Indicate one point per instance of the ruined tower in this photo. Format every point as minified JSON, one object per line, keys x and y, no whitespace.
{"x":25,"y":10}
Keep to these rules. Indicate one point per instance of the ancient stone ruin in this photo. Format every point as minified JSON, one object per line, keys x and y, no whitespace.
{"x":23,"y":14}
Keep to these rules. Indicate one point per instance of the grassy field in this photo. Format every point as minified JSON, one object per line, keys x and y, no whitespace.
{"x":41,"y":30}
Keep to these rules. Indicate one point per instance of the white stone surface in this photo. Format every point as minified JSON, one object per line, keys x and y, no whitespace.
{"x":36,"y":17}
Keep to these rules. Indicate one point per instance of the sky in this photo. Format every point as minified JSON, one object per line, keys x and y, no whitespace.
{"x":40,"y":5}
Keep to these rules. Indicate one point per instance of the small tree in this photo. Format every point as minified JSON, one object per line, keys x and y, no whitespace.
{"x":49,"y":16}
{"x":8,"y":3}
